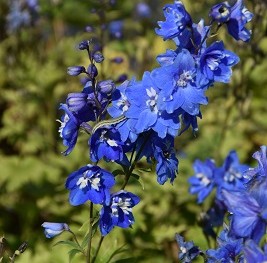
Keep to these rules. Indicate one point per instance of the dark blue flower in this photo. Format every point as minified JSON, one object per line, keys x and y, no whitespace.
{"x":106,"y":143}
{"x":187,"y":250}
{"x":54,"y":229}
{"x":221,"y":12}
{"x":216,"y":62}
{"x":89,"y":183}
{"x":118,"y":212}
{"x":69,"y":129}
{"x":203,"y":181}
{"x":235,"y":17}
{"x":253,"y":253}
{"x":165,"y":156}
{"x":228,"y":251}
{"x":177,"y":20}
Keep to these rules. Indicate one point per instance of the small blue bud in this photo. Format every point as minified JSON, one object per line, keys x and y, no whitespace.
{"x":54,"y":229}
{"x":76,"y":101}
{"x":106,"y":86}
{"x":143,"y":10}
{"x":75,"y":70}
{"x":122,"y":78}
{"x":89,"y":29}
{"x":117,"y":60}
{"x":98,"y":57}
{"x":92,"y":70}
{"x":84,"y":45}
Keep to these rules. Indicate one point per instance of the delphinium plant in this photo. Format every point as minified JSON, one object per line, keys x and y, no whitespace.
{"x":141,"y":119}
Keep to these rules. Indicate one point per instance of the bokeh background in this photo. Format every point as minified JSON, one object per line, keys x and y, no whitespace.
{"x":38,"y":41}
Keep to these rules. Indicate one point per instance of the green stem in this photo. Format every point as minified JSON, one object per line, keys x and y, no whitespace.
{"x":88,"y":258}
{"x":98,"y":248}
{"x":136,"y":159}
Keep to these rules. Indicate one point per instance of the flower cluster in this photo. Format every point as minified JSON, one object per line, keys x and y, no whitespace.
{"x":244,"y":197}
{"x":134,"y":119}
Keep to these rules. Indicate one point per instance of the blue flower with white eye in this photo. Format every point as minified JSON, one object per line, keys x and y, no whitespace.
{"x":90,"y":183}
{"x":187,"y":250}
{"x":144,"y":108}
{"x":177,"y":20}
{"x":216,"y":62}
{"x":54,"y":229}
{"x":203,"y":180}
{"x":181,"y":85}
{"x":69,"y":128}
{"x":106,"y":143}
{"x":231,"y":175}
{"x":118,"y":212}
{"x":235,"y":17}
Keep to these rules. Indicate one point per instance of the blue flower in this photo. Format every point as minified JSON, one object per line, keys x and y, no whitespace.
{"x":54,"y":229}
{"x":254,"y":253}
{"x":216,"y":62}
{"x":89,"y":183}
{"x":167,"y":163}
{"x":144,"y":108}
{"x":187,"y":250}
{"x":69,"y":129}
{"x":248,"y":210}
{"x":203,"y":181}
{"x":177,"y":20}
{"x":259,"y":172}
{"x":118,"y":212}
{"x":235,"y":18}
{"x":181,"y":85}
{"x":228,"y":251}
{"x":106,"y":142}
{"x":231,"y":175}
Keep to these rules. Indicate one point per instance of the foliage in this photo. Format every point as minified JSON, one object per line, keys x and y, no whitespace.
{"x":33,"y":81}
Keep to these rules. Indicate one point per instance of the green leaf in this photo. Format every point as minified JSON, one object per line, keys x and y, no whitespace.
{"x":69,"y":243}
{"x":118,"y":172}
{"x":72,"y":253}
{"x":117,"y":251}
{"x":139,"y":179}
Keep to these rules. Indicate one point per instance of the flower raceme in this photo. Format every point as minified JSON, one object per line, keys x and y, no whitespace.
{"x":142,"y":118}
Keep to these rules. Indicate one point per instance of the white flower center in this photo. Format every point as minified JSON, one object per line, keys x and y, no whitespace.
{"x":183,"y":250}
{"x":124,"y":204}
{"x":123,"y":103}
{"x":203,"y":178}
{"x":231,"y":175}
{"x":85,"y":181}
{"x":63,"y":124}
{"x":184,"y":78}
{"x":152,"y":101}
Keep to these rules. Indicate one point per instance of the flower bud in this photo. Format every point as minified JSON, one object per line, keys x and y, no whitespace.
{"x":75,"y":70}
{"x":98,"y":57}
{"x":106,"y":86}
{"x":83,"y":45}
{"x":76,"y":101}
{"x":54,"y":229}
{"x":92,"y":70}
{"x":117,"y":60}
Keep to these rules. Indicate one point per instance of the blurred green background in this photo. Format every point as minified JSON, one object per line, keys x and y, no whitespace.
{"x":33,"y":81}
